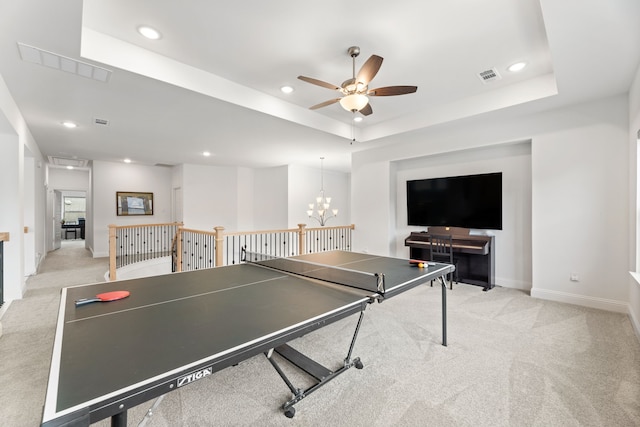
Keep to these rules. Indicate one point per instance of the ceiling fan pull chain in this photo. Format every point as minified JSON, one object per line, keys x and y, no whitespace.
{"x":353,"y":129}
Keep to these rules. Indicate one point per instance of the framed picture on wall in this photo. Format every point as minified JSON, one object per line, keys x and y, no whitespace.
{"x":132,"y":203}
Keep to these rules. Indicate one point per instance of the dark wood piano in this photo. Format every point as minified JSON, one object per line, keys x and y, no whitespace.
{"x":474,"y":255}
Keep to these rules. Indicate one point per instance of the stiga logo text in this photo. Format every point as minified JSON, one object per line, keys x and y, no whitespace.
{"x":195,"y":376}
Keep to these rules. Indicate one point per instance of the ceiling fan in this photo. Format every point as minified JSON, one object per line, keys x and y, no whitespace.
{"x":356,"y":90}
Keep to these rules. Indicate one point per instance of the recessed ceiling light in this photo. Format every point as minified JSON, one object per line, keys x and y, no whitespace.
{"x":70,"y":167}
{"x":358,"y":119}
{"x":148,"y":32}
{"x":206,"y":153}
{"x":518,"y":66}
{"x":69,"y":125}
{"x":127,"y":160}
{"x":286,"y":89}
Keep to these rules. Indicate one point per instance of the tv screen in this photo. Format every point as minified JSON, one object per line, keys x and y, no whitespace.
{"x":471,"y":201}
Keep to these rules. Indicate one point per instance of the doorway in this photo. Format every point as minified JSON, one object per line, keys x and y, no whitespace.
{"x":73,"y":214}
{"x":69,"y":209}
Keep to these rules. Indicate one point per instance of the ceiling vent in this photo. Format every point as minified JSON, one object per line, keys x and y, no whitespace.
{"x":489,"y":76}
{"x":101,"y":122}
{"x":64,"y":162}
{"x":53,"y":60}
{"x":164,"y":165}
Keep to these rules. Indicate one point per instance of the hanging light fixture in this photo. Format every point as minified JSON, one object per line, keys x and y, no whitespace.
{"x":354,"y":102}
{"x":321,"y":210}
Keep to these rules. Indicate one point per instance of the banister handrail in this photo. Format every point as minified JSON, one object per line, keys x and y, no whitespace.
{"x":145,"y":225}
{"x":193,"y":230}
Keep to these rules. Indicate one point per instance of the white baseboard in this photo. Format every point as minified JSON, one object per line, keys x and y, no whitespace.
{"x":593,"y":302}
{"x":513,"y":284}
{"x":633,"y":315}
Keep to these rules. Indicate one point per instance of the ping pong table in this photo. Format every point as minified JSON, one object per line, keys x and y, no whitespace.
{"x":178,"y":328}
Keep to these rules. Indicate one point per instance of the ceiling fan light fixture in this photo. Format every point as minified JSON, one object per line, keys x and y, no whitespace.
{"x":354,"y":102}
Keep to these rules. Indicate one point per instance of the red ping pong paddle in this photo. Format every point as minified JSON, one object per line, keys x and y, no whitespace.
{"x":104,"y":297}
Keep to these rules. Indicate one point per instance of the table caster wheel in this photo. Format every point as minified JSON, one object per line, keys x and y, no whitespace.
{"x":289,"y":413}
{"x":358,"y":364}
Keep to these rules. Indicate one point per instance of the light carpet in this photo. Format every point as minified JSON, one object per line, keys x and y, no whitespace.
{"x":511,"y":361}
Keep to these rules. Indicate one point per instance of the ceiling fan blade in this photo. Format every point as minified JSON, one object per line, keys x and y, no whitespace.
{"x":369,"y":69}
{"x":318,"y":82}
{"x":324,"y":104}
{"x":392,"y":90}
{"x":366,"y":110}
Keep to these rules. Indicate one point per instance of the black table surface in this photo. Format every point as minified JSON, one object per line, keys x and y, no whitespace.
{"x":173,"y":322}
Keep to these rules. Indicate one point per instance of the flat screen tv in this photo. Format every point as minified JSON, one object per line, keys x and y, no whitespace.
{"x":471,"y":201}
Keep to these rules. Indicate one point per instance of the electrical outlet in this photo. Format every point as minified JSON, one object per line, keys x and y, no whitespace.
{"x":574,"y":277}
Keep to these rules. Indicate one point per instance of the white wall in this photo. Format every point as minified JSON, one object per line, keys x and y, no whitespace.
{"x":514,"y":161}
{"x":11,"y":216}
{"x":372,"y":208}
{"x":177,"y":202}
{"x":634,"y":200}
{"x":270,"y":196}
{"x":210,"y":197}
{"x":15,"y":141}
{"x":107,"y":178}
{"x":580,"y":207}
{"x":223,"y":196}
{"x":246,"y":199}
{"x":579,"y":193}
{"x":30,"y":258}
{"x":65,"y":179}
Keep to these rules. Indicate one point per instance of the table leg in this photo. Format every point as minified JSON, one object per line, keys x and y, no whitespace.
{"x":443,"y":282}
{"x":119,"y":419}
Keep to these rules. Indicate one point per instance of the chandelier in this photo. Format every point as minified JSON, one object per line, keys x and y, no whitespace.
{"x":320,"y":210}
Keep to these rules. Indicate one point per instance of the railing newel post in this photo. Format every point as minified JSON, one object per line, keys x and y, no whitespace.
{"x":219,"y":249}
{"x":112,"y":252}
{"x":301,"y":238}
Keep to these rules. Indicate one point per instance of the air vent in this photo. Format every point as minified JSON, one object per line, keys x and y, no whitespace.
{"x":64,"y":162}
{"x":53,"y":60}
{"x":101,"y":122}
{"x":164,"y":165}
{"x":489,"y":76}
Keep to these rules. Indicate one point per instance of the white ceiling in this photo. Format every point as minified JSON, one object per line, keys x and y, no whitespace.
{"x":212,"y":81}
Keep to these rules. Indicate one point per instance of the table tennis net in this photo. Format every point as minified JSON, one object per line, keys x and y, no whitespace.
{"x":373,"y":282}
